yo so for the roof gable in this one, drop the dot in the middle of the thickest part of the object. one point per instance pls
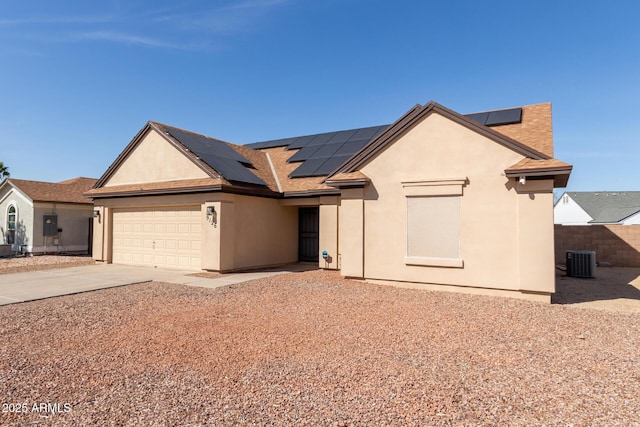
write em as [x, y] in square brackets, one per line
[321, 154]
[416, 115]
[162, 153]
[150, 157]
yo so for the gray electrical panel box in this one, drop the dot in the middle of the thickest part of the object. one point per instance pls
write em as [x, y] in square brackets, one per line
[50, 225]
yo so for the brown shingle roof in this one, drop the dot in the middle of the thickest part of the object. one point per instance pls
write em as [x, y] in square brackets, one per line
[535, 130]
[155, 187]
[69, 191]
[279, 157]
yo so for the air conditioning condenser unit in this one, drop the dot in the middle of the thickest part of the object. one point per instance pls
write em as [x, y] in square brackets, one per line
[581, 264]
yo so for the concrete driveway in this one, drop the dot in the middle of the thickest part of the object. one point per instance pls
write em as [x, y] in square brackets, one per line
[33, 285]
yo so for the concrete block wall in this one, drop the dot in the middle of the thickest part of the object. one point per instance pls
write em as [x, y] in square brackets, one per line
[616, 244]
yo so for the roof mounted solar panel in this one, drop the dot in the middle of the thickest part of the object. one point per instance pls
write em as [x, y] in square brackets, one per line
[331, 164]
[504, 117]
[301, 141]
[327, 150]
[343, 135]
[307, 168]
[351, 147]
[270, 144]
[369, 133]
[221, 157]
[478, 117]
[201, 145]
[497, 117]
[305, 153]
[231, 170]
[322, 138]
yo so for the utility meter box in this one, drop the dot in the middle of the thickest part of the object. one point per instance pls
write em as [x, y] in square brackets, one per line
[50, 225]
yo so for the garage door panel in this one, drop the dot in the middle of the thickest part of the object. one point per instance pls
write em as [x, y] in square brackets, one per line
[162, 237]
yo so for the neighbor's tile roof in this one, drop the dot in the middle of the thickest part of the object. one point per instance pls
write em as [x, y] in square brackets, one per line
[608, 206]
[69, 191]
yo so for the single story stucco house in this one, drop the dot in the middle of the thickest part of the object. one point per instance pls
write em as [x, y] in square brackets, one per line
[46, 217]
[436, 199]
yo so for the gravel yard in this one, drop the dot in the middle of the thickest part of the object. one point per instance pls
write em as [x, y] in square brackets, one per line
[42, 262]
[314, 349]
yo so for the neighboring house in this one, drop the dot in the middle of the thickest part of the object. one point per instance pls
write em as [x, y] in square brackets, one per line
[436, 198]
[598, 207]
[45, 217]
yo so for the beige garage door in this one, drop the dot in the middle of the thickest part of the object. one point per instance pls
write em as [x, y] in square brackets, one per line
[158, 237]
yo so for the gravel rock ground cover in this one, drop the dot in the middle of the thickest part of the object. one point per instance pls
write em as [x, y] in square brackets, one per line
[42, 262]
[314, 349]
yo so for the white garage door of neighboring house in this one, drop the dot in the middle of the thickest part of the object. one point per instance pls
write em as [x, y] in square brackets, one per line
[158, 237]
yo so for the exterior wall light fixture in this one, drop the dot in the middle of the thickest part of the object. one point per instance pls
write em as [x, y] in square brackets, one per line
[212, 215]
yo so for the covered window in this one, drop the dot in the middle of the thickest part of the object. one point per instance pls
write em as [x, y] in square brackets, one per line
[11, 225]
[433, 222]
[433, 227]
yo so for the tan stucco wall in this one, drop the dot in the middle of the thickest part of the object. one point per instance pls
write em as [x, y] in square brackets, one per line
[351, 234]
[266, 233]
[154, 160]
[73, 219]
[506, 238]
[329, 206]
[536, 236]
[249, 232]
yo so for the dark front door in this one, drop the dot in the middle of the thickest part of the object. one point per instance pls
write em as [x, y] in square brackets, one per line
[308, 231]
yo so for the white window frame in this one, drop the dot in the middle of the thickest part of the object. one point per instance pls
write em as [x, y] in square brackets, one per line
[15, 223]
[440, 187]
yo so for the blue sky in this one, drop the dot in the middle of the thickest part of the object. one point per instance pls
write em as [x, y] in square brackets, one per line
[78, 79]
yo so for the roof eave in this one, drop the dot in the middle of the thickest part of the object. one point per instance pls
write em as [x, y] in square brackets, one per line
[348, 183]
[560, 175]
[311, 193]
[234, 189]
[152, 192]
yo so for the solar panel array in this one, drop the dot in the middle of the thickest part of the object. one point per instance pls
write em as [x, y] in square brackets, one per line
[323, 153]
[222, 158]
